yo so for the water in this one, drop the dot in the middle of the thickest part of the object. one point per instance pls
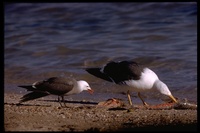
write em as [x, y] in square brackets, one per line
[61, 39]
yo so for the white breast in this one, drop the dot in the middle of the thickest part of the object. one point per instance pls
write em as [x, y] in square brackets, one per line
[145, 83]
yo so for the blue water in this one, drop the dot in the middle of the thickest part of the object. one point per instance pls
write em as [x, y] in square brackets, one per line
[60, 39]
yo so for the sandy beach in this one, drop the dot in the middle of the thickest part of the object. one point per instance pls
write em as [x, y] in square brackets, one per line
[45, 114]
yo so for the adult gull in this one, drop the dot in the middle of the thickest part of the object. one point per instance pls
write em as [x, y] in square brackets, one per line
[60, 86]
[130, 73]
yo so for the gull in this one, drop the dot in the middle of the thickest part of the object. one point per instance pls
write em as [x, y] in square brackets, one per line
[137, 77]
[60, 86]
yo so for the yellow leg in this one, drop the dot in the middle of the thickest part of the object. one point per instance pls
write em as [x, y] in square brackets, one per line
[142, 99]
[129, 98]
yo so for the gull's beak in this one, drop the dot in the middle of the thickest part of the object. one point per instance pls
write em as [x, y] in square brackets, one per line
[172, 97]
[90, 91]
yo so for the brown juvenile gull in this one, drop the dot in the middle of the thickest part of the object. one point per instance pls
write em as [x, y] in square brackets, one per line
[137, 77]
[60, 86]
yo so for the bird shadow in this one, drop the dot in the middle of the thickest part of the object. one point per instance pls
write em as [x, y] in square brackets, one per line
[22, 104]
[74, 102]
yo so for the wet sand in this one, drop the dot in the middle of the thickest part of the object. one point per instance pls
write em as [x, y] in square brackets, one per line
[45, 114]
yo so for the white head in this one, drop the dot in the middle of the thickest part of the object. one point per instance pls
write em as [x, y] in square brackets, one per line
[83, 85]
[163, 89]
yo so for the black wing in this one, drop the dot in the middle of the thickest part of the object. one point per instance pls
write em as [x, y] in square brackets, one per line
[32, 95]
[54, 85]
[97, 72]
[28, 87]
[118, 72]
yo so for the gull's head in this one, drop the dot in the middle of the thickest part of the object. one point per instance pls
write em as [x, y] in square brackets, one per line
[163, 89]
[84, 86]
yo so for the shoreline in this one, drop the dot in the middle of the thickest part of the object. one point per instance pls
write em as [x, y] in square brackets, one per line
[46, 115]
